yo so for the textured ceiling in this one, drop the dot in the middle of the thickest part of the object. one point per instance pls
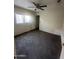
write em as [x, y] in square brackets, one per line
[27, 4]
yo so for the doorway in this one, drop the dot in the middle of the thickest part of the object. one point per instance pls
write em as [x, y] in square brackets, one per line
[37, 21]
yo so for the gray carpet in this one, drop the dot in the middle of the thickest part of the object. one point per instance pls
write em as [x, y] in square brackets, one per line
[38, 45]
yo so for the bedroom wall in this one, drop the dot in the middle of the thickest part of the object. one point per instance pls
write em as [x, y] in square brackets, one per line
[20, 28]
[52, 21]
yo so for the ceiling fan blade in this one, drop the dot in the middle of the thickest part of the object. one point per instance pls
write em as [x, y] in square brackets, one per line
[41, 9]
[31, 7]
[44, 6]
[59, 1]
[34, 3]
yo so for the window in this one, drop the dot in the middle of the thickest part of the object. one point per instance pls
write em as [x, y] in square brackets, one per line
[19, 18]
[27, 19]
[23, 19]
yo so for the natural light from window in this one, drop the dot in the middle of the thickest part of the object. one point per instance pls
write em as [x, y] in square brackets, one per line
[27, 19]
[19, 18]
[23, 19]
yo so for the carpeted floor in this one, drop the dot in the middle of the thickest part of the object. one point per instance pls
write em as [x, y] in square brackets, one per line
[38, 45]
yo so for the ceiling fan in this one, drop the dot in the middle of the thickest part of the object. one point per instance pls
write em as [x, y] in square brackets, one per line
[39, 6]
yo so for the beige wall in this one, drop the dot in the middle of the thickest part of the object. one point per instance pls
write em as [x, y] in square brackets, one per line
[52, 19]
[20, 28]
